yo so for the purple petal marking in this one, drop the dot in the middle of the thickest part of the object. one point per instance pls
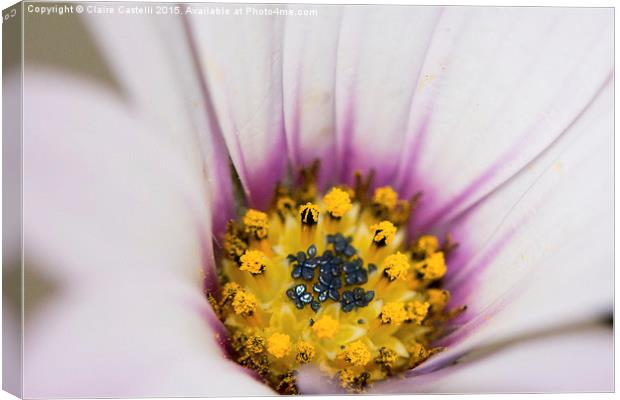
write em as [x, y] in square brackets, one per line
[462, 282]
[417, 133]
[502, 162]
[538, 156]
[263, 179]
[344, 141]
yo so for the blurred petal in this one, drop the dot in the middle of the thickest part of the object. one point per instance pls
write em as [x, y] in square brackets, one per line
[132, 340]
[571, 361]
[117, 219]
[539, 251]
[500, 85]
[381, 51]
[162, 81]
[241, 57]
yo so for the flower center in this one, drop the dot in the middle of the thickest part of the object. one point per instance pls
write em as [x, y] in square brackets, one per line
[332, 282]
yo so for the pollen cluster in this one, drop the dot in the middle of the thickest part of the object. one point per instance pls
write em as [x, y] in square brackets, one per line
[331, 281]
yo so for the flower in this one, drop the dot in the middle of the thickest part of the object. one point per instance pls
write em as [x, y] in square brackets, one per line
[500, 116]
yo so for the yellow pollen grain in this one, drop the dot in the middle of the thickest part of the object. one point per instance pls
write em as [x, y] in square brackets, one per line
[384, 232]
[393, 313]
[325, 327]
[253, 261]
[305, 352]
[337, 202]
[234, 245]
[244, 303]
[428, 244]
[417, 354]
[438, 298]
[433, 267]
[279, 345]
[256, 223]
[417, 311]
[255, 344]
[396, 266]
[229, 291]
[357, 354]
[347, 377]
[386, 357]
[385, 196]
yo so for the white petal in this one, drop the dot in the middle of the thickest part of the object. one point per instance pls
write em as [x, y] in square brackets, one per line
[153, 58]
[309, 73]
[501, 85]
[116, 219]
[381, 51]
[241, 56]
[539, 251]
[579, 360]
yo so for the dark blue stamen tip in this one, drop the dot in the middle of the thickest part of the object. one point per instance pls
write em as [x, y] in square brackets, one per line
[312, 251]
[355, 274]
[356, 298]
[342, 245]
[336, 267]
[300, 296]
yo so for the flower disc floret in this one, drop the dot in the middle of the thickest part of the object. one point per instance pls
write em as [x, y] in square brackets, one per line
[253, 261]
[384, 233]
[279, 345]
[337, 202]
[396, 266]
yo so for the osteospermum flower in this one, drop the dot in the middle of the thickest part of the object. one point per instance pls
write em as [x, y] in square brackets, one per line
[194, 247]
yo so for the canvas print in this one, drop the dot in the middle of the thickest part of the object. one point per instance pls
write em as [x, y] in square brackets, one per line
[221, 199]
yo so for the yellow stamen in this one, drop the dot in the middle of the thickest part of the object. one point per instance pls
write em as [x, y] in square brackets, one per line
[285, 205]
[357, 354]
[229, 291]
[433, 267]
[400, 214]
[326, 327]
[234, 244]
[309, 214]
[384, 233]
[279, 345]
[427, 244]
[393, 313]
[438, 299]
[337, 202]
[396, 266]
[417, 354]
[256, 223]
[244, 303]
[255, 344]
[305, 352]
[253, 261]
[386, 358]
[416, 311]
[347, 377]
[386, 197]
